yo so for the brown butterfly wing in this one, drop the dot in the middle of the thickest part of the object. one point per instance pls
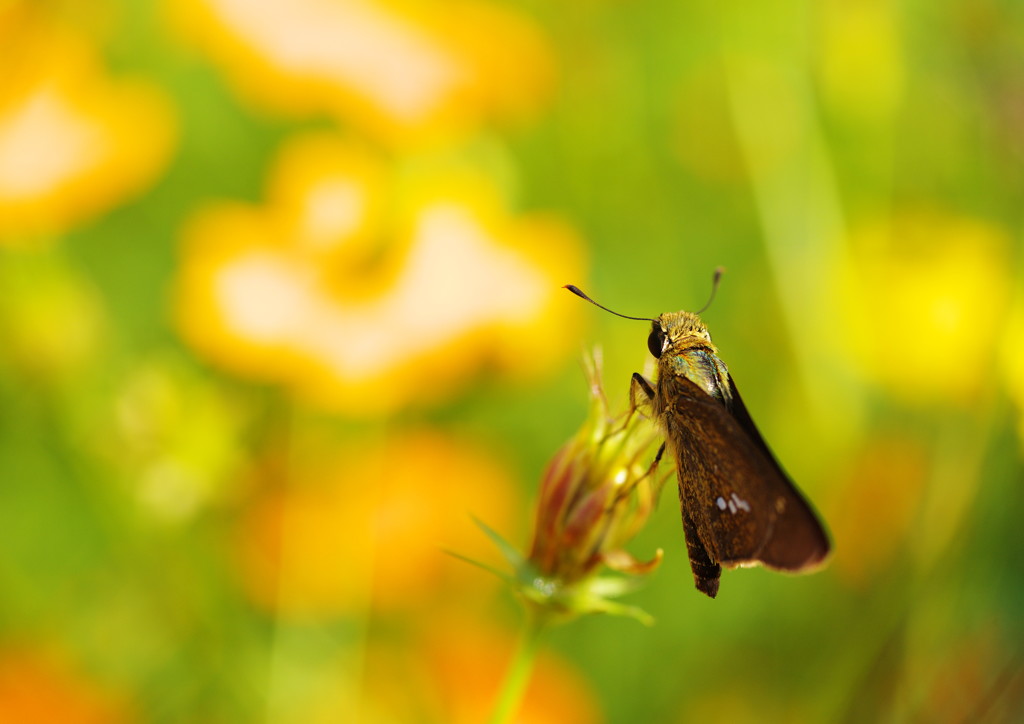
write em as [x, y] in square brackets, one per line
[743, 506]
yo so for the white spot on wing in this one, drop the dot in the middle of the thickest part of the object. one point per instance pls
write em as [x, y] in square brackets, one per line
[733, 504]
[740, 502]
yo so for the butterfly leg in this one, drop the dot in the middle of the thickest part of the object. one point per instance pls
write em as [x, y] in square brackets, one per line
[657, 459]
[641, 383]
[647, 391]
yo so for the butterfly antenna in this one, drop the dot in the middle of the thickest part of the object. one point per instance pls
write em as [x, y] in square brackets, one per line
[714, 287]
[579, 293]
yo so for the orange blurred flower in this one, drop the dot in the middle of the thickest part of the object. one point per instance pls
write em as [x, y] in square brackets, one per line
[404, 71]
[448, 673]
[973, 677]
[468, 663]
[876, 503]
[366, 289]
[38, 688]
[924, 295]
[73, 141]
[369, 527]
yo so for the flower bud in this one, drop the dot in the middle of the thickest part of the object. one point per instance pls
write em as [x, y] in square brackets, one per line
[596, 494]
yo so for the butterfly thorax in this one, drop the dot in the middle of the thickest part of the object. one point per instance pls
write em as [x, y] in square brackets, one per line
[689, 352]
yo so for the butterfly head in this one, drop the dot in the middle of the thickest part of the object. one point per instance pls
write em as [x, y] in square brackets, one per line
[677, 331]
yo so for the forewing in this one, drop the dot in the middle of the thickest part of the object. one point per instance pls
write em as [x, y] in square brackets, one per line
[744, 506]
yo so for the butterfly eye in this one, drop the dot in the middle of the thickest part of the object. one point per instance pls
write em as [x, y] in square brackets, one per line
[656, 341]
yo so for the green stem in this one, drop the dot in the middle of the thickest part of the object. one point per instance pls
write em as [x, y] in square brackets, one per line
[517, 676]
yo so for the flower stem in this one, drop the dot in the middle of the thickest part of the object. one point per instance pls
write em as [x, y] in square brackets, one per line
[517, 676]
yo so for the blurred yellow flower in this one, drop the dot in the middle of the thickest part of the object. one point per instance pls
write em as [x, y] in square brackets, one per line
[369, 525]
[73, 141]
[40, 688]
[365, 290]
[403, 71]
[924, 295]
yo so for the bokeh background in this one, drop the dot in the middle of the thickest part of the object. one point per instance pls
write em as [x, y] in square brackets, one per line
[280, 313]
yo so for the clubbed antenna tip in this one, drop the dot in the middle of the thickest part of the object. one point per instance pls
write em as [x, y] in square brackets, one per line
[579, 293]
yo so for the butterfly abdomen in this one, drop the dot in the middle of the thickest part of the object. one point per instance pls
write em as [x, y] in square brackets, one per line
[706, 572]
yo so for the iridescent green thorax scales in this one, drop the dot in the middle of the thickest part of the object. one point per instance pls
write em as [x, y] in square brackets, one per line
[690, 353]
